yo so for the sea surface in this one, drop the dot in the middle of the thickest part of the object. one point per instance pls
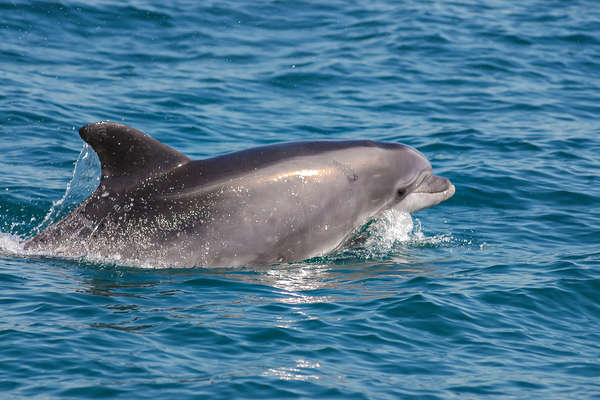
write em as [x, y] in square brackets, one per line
[493, 294]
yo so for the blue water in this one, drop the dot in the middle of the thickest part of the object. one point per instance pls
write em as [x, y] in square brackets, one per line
[492, 294]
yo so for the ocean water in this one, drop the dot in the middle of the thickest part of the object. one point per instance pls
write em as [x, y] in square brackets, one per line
[492, 294]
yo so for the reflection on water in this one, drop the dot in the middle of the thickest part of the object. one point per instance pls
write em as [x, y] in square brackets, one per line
[303, 370]
[344, 272]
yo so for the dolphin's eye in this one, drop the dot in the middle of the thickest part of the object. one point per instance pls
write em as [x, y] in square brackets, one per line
[400, 193]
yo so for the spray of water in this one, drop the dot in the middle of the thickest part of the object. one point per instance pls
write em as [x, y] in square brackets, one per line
[390, 235]
[84, 180]
[390, 228]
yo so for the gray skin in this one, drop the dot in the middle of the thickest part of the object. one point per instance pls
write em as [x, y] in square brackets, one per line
[272, 204]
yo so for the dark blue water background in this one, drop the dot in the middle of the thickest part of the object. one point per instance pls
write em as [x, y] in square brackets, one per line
[494, 293]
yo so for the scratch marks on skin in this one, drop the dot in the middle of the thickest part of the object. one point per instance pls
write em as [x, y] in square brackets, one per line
[349, 172]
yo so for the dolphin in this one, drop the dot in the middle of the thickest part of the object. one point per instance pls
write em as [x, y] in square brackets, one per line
[267, 205]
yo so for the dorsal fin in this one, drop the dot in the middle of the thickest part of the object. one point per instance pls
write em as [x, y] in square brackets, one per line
[127, 152]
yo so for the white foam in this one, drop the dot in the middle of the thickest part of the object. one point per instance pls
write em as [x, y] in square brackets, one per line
[391, 227]
[392, 231]
[11, 244]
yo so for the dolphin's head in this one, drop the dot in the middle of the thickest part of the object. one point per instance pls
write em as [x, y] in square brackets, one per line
[414, 185]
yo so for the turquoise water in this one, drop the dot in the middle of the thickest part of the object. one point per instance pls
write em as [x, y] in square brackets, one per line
[494, 293]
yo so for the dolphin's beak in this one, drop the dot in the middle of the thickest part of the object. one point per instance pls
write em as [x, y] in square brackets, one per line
[436, 185]
[430, 192]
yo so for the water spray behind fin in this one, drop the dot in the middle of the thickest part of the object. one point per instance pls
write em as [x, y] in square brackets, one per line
[84, 179]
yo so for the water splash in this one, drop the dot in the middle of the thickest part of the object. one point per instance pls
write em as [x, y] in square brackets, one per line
[11, 245]
[83, 181]
[390, 228]
[391, 234]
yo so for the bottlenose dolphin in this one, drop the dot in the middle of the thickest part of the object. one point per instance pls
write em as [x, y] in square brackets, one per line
[272, 204]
